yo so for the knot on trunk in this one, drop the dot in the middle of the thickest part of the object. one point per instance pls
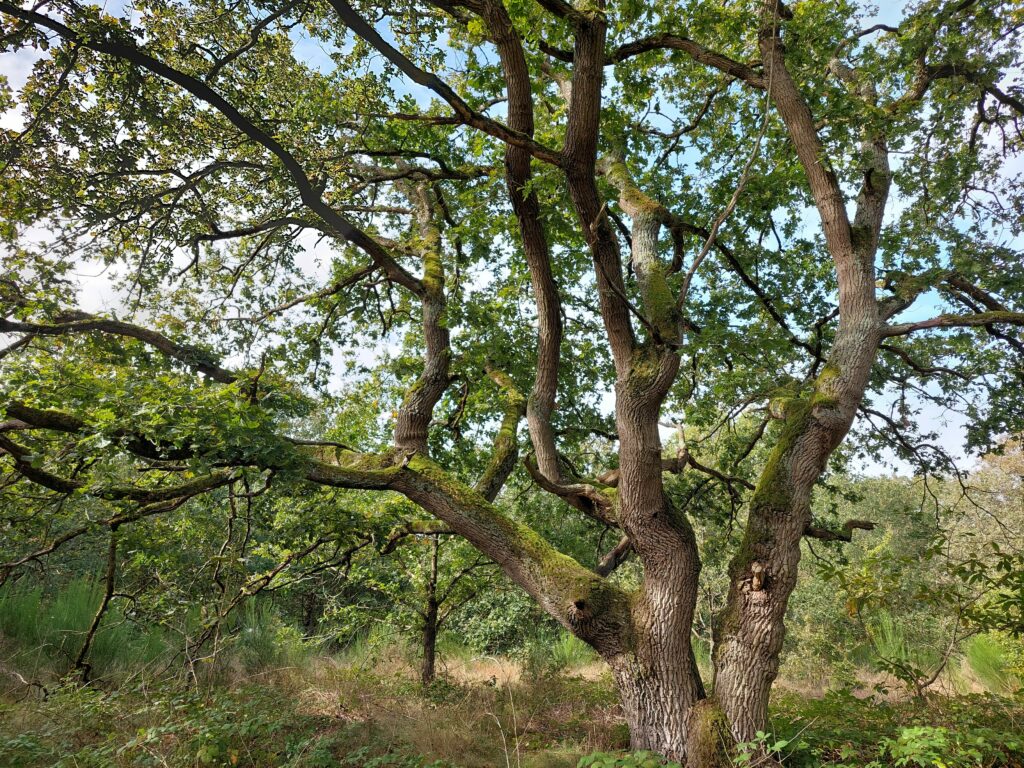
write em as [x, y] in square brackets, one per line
[580, 612]
[757, 583]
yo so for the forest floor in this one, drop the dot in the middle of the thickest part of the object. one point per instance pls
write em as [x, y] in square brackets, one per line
[371, 712]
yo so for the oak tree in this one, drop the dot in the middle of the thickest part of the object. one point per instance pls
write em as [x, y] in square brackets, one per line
[355, 245]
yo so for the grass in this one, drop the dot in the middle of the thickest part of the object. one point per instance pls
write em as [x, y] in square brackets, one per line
[336, 711]
[46, 632]
[327, 713]
[274, 699]
[991, 664]
[262, 641]
[568, 652]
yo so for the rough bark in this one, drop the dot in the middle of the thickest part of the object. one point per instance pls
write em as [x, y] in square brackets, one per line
[749, 634]
[417, 408]
[541, 403]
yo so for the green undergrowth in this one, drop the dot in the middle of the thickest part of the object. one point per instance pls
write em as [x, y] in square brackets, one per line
[337, 716]
[44, 633]
[253, 725]
[844, 731]
[322, 715]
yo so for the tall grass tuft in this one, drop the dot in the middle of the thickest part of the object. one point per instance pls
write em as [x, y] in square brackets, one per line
[991, 664]
[263, 641]
[892, 646]
[547, 655]
[46, 632]
[568, 652]
[702, 655]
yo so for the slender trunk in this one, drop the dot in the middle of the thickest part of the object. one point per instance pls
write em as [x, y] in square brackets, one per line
[526, 205]
[427, 670]
[430, 618]
[311, 612]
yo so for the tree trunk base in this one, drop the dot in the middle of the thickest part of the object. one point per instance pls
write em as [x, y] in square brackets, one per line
[709, 743]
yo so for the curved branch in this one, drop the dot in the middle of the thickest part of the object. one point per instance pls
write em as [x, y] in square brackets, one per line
[526, 205]
[588, 499]
[696, 51]
[615, 557]
[506, 447]
[310, 191]
[23, 463]
[82, 322]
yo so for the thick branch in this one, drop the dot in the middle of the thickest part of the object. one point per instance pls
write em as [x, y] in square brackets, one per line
[615, 557]
[696, 51]
[416, 411]
[799, 122]
[844, 534]
[80, 322]
[581, 138]
[956, 321]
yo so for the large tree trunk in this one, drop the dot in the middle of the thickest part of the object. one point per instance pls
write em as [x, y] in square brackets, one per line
[656, 702]
[750, 631]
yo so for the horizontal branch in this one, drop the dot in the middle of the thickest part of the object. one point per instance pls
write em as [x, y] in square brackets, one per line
[843, 534]
[923, 370]
[664, 41]
[696, 51]
[956, 321]
[414, 528]
[676, 464]
[585, 497]
[81, 322]
[578, 597]
[25, 465]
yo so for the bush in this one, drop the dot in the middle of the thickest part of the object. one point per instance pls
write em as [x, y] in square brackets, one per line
[633, 760]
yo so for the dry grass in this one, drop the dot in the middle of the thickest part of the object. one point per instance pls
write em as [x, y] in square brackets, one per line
[481, 711]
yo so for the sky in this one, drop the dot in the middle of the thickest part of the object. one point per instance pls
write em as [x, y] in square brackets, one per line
[98, 295]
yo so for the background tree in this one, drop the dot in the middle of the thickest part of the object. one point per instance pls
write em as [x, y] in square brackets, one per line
[435, 577]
